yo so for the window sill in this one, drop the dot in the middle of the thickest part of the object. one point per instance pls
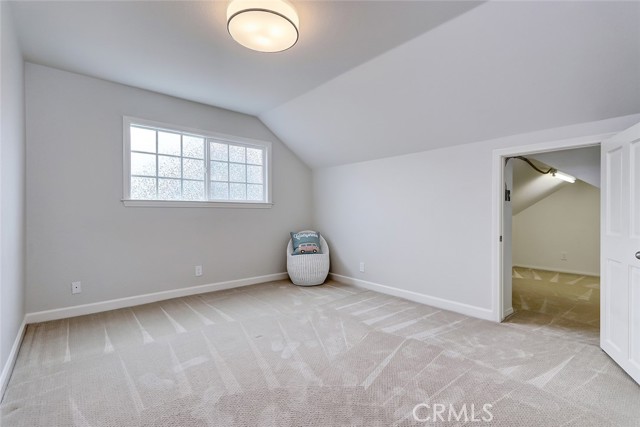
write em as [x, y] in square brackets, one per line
[194, 204]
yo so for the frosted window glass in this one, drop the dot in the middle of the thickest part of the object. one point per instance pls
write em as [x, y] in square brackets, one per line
[254, 174]
[193, 190]
[143, 139]
[255, 192]
[237, 173]
[169, 167]
[169, 189]
[219, 151]
[220, 171]
[236, 154]
[219, 190]
[193, 146]
[143, 164]
[193, 169]
[254, 156]
[168, 164]
[238, 191]
[169, 143]
[143, 188]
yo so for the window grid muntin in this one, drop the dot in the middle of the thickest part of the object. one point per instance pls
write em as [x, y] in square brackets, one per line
[245, 164]
[207, 159]
[157, 155]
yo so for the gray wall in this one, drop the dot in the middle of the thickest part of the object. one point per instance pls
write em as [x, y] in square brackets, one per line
[566, 221]
[12, 187]
[78, 229]
[422, 222]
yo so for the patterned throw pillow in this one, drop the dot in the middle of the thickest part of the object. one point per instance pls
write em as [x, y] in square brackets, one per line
[306, 242]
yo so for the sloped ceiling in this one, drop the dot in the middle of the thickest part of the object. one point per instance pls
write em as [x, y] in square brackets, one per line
[583, 163]
[182, 48]
[529, 186]
[502, 68]
[368, 79]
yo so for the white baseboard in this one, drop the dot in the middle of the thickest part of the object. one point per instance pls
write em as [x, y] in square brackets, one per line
[508, 312]
[445, 304]
[11, 360]
[558, 270]
[97, 307]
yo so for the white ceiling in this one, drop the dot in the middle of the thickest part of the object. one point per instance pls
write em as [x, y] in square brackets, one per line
[503, 68]
[182, 48]
[583, 163]
[368, 79]
[529, 186]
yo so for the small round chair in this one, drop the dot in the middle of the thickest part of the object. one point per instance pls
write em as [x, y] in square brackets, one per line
[308, 269]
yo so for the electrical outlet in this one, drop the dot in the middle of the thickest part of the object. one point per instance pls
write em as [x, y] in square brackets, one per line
[198, 270]
[76, 287]
[563, 256]
[361, 267]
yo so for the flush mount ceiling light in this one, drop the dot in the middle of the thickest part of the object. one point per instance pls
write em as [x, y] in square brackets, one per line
[263, 25]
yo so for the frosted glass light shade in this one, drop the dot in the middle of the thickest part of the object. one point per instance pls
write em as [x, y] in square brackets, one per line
[564, 176]
[263, 25]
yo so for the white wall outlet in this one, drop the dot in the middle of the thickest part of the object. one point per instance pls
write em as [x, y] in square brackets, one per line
[361, 267]
[563, 256]
[198, 270]
[76, 287]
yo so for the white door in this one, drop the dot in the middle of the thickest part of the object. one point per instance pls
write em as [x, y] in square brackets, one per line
[620, 246]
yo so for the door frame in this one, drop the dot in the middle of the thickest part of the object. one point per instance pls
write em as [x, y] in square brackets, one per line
[498, 163]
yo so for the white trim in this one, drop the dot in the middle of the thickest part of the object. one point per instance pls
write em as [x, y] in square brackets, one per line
[97, 307]
[558, 270]
[11, 360]
[170, 127]
[127, 121]
[498, 156]
[445, 304]
[194, 204]
[508, 312]
[497, 291]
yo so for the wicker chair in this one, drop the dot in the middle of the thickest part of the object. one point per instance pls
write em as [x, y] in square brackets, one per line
[308, 269]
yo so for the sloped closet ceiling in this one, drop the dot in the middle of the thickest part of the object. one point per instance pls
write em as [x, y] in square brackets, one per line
[502, 68]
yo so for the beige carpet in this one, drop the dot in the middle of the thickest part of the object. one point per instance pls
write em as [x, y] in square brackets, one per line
[558, 304]
[280, 355]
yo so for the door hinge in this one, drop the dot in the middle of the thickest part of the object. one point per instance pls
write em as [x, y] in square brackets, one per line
[501, 238]
[507, 195]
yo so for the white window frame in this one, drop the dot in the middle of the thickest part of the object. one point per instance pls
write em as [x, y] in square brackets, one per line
[208, 136]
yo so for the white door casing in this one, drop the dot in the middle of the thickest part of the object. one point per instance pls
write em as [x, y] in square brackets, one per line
[620, 242]
[501, 291]
[507, 258]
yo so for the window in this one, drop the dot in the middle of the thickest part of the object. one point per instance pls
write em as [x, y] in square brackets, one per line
[168, 166]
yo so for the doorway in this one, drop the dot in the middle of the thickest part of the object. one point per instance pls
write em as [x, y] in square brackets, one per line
[555, 243]
[502, 262]
[619, 239]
